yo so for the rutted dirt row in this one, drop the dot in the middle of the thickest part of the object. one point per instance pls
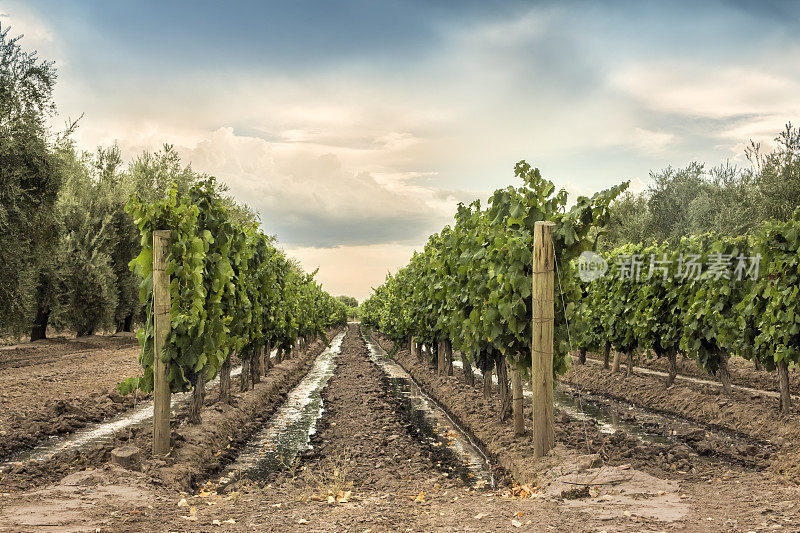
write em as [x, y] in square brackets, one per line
[720, 493]
[197, 450]
[55, 386]
[753, 416]
[383, 479]
[367, 458]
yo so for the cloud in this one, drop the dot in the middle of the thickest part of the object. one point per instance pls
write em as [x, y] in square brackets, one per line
[732, 103]
[654, 142]
[37, 34]
[701, 90]
[316, 200]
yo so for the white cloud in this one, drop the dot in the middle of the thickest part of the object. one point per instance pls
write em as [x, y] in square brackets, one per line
[652, 142]
[314, 198]
[37, 34]
[703, 90]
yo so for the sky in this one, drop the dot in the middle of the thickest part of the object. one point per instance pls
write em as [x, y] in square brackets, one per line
[354, 128]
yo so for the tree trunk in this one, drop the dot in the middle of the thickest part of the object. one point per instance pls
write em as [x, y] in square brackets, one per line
[487, 383]
[606, 353]
[672, 356]
[198, 397]
[128, 324]
[516, 398]
[615, 365]
[258, 366]
[502, 379]
[757, 363]
[783, 382]
[582, 356]
[244, 383]
[225, 381]
[629, 370]
[39, 329]
[469, 377]
[723, 372]
[279, 356]
[448, 356]
[267, 357]
[441, 360]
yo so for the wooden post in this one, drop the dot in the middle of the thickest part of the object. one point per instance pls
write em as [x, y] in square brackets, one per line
[542, 346]
[161, 326]
[516, 398]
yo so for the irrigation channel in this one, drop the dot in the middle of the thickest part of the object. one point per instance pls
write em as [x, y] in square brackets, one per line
[101, 432]
[700, 381]
[288, 432]
[611, 416]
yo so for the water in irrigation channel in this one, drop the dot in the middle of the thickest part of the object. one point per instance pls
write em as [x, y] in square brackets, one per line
[103, 431]
[288, 431]
[611, 416]
[434, 425]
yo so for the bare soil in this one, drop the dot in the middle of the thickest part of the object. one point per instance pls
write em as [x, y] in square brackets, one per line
[749, 415]
[54, 386]
[382, 478]
[743, 372]
[197, 451]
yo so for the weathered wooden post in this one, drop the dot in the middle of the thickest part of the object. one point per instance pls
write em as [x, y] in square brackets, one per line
[161, 326]
[542, 345]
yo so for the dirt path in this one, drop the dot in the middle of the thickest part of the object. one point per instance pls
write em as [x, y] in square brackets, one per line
[368, 471]
[743, 372]
[707, 381]
[58, 385]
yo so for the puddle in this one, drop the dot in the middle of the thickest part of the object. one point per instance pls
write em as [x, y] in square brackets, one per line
[608, 418]
[451, 444]
[99, 433]
[288, 431]
[611, 416]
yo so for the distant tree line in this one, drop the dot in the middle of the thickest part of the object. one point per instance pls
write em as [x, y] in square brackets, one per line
[65, 237]
[352, 306]
[724, 199]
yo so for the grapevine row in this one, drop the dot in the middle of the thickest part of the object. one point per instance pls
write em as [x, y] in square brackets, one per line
[231, 291]
[470, 288]
[748, 309]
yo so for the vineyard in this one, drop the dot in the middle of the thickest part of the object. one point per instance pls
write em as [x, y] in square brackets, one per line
[622, 360]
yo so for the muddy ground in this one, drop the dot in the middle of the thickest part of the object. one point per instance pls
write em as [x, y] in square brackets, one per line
[380, 477]
[743, 372]
[55, 386]
[752, 416]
